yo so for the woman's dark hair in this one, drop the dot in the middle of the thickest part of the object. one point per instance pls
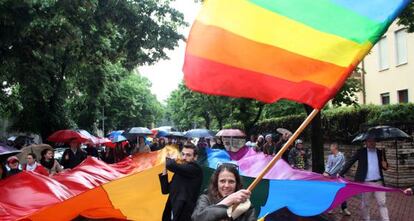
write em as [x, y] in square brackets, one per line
[44, 152]
[213, 193]
[161, 140]
[139, 140]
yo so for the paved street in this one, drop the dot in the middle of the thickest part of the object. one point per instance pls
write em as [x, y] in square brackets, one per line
[401, 208]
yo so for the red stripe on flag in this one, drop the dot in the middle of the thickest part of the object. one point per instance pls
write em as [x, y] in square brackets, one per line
[218, 79]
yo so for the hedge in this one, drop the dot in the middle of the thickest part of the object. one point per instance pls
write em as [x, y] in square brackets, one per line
[343, 123]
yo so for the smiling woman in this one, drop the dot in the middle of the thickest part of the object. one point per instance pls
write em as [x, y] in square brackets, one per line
[225, 199]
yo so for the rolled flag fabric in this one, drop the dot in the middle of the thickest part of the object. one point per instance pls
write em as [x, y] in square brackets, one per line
[294, 49]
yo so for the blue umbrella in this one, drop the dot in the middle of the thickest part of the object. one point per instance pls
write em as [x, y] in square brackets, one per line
[162, 133]
[118, 138]
[114, 133]
[199, 133]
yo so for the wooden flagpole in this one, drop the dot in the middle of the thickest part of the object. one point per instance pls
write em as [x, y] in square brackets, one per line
[284, 148]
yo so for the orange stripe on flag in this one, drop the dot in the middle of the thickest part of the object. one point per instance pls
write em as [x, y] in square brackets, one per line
[220, 79]
[95, 199]
[237, 51]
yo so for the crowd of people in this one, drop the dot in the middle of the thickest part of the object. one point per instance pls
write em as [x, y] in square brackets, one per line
[46, 163]
[298, 156]
[225, 198]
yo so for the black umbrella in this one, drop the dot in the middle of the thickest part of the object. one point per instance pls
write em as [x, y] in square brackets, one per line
[7, 151]
[382, 133]
[175, 134]
[134, 132]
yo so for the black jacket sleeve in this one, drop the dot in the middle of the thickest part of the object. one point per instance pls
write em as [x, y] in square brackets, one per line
[64, 162]
[165, 186]
[350, 162]
[186, 169]
[250, 215]
[205, 211]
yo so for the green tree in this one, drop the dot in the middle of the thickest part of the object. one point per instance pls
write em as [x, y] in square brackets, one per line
[247, 112]
[178, 111]
[129, 103]
[282, 108]
[406, 18]
[54, 51]
[187, 108]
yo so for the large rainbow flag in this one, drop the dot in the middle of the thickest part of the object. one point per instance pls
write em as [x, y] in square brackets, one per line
[131, 190]
[299, 50]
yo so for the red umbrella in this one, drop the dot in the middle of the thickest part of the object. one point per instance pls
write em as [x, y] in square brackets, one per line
[92, 139]
[113, 145]
[62, 136]
[102, 140]
[230, 133]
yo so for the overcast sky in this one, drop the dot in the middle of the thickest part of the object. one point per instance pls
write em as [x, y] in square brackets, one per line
[167, 74]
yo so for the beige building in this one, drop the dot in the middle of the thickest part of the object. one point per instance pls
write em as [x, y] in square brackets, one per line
[389, 68]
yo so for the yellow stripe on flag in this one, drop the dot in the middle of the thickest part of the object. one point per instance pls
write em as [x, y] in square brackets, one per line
[263, 26]
[138, 196]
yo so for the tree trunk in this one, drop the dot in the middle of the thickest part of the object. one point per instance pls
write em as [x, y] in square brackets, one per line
[318, 165]
[220, 123]
[250, 125]
[207, 120]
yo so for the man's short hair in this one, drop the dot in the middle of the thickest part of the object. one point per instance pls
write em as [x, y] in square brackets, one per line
[335, 144]
[33, 155]
[190, 145]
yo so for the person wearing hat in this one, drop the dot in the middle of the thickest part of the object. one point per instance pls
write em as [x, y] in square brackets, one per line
[299, 156]
[13, 164]
[371, 163]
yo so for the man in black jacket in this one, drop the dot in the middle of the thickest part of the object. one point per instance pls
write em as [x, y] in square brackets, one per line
[73, 156]
[371, 162]
[184, 187]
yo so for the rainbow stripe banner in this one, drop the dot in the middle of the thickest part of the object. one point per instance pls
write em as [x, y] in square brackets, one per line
[97, 190]
[92, 189]
[267, 50]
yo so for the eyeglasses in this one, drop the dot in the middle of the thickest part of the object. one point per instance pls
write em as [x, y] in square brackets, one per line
[227, 164]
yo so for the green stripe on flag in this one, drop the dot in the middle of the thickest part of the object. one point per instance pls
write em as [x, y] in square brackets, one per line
[325, 16]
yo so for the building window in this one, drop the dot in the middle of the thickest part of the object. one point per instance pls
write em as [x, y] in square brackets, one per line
[401, 46]
[403, 96]
[385, 98]
[383, 53]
